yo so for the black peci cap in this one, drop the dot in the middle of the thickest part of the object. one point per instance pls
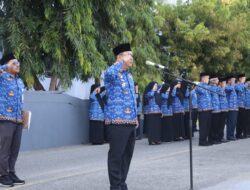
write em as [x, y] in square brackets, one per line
[204, 74]
[121, 48]
[6, 58]
[241, 75]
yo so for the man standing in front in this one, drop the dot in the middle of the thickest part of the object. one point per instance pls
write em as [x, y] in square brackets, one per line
[120, 116]
[11, 92]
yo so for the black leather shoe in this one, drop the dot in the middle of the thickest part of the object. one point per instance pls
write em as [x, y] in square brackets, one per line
[16, 179]
[5, 181]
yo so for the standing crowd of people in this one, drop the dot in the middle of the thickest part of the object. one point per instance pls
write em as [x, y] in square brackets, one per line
[217, 102]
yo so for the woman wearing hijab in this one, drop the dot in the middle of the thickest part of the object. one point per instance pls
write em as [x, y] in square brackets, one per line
[152, 113]
[96, 115]
[176, 100]
[167, 115]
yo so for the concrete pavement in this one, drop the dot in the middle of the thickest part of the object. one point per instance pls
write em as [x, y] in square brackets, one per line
[163, 167]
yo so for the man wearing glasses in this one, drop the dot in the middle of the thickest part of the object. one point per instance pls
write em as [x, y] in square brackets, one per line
[11, 104]
[120, 116]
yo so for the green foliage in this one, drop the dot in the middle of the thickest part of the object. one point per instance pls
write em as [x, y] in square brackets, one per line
[68, 39]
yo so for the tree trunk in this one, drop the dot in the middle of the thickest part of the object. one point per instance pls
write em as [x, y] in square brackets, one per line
[53, 83]
[37, 84]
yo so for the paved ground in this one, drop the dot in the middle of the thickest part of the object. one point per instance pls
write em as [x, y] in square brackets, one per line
[164, 167]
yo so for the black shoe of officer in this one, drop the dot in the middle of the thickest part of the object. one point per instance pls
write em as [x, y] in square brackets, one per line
[6, 181]
[16, 179]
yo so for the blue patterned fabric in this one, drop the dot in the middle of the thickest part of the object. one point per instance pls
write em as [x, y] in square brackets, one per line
[223, 100]
[203, 97]
[194, 99]
[121, 105]
[215, 98]
[95, 110]
[152, 106]
[247, 98]
[176, 104]
[186, 101]
[139, 106]
[231, 98]
[11, 97]
[240, 90]
[165, 109]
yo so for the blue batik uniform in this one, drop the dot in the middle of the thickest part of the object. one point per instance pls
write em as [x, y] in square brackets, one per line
[203, 98]
[176, 104]
[231, 98]
[223, 100]
[95, 110]
[215, 98]
[11, 97]
[194, 99]
[240, 90]
[121, 107]
[166, 110]
[186, 101]
[247, 98]
[152, 106]
[139, 105]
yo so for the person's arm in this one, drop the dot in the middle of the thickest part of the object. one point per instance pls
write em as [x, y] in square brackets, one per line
[93, 95]
[151, 94]
[199, 90]
[240, 88]
[229, 88]
[173, 94]
[113, 71]
[164, 96]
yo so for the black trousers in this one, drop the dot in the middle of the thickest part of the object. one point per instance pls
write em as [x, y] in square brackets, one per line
[121, 148]
[248, 121]
[231, 123]
[222, 123]
[205, 125]
[10, 141]
[215, 127]
[241, 128]
[139, 130]
[194, 119]
[178, 123]
[167, 129]
[96, 132]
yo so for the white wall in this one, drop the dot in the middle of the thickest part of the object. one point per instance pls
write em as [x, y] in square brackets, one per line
[78, 89]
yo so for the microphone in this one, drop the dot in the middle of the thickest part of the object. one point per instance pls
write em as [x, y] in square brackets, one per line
[158, 66]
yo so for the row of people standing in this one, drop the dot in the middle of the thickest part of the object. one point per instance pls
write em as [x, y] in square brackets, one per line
[166, 112]
[225, 103]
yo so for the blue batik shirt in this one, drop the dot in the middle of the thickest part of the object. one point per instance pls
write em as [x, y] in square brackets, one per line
[223, 100]
[152, 106]
[121, 107]
[203, 97]
[165, 109]
[95, 109]
[176, 104]
[231, 98]
[11, 97]
[247, 98]
[215, 98]
[240, 90]
[194, 99]
[186, 101]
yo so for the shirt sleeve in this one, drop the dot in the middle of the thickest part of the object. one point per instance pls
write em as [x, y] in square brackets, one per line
[112, 72]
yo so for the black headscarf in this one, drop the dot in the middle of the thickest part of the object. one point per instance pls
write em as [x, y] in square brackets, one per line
[148, 88]
[98, 95]
[179, 93]
[164, 88]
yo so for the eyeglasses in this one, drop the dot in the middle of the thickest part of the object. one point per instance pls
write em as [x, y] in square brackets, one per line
[17, 63]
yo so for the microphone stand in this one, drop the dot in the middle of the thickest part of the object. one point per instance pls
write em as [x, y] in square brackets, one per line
[189, 84]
